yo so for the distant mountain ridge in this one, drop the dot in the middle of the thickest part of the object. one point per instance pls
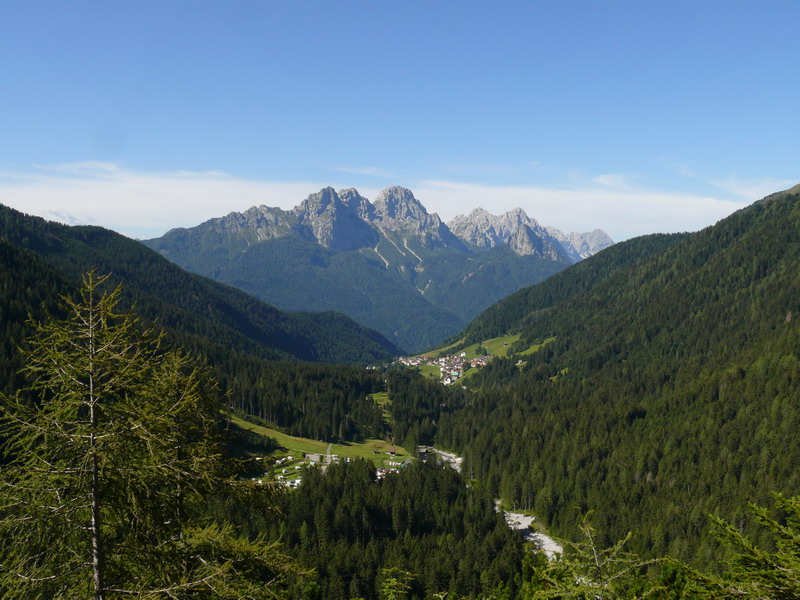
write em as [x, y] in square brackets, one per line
[348, 221]
[388, 264]
[195, 311]
[524, 235]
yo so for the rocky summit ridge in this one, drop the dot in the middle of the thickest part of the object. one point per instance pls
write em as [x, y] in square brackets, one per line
[525, 236]
[346, 220]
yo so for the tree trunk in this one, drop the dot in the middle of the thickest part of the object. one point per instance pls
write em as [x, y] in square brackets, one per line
[97, 548]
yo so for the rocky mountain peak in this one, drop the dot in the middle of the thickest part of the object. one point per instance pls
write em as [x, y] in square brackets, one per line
[485, 230]
[257, 223]
[325, 200]
[397, 211]
[346, 220]
[582, 245]
[399, 203]
[357, 203]
[517, 217]
[515, 229]
[325, 218]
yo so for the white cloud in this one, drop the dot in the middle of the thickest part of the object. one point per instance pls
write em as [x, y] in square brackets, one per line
[752, 189]
[622, 213]
[139, 204]
[143, 205]
[616, 181]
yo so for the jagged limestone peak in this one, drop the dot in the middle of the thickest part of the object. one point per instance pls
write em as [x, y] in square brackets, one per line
[333, 223]
[515, 229]
[399, 203]
[358, 203]
[582, 245]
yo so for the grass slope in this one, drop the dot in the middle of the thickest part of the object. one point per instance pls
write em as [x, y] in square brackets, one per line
[296, 446]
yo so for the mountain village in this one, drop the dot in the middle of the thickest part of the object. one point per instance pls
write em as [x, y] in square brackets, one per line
[451, 366]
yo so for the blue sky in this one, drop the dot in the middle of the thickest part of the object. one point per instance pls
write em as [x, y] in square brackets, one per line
[633, 117]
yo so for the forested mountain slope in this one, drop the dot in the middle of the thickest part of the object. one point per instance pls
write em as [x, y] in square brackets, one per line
[257, 352]
[530, 302]
[192, 305]
[672, 389]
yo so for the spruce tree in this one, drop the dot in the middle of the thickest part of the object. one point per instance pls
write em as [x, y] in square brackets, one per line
[111, 454]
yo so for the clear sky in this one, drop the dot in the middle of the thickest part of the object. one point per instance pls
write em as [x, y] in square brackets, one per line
[630, 116]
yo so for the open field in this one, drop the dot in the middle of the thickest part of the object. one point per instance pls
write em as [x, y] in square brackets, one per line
[431, 371]
[382, 400]
[440, 351]
[537, 347]
[496, 346]
[296, 447]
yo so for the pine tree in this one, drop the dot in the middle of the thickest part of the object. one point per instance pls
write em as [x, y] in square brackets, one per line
[112, 453]
[757, 570]
[588, 572]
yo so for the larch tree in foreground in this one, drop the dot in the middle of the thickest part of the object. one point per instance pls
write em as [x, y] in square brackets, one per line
[110, 456]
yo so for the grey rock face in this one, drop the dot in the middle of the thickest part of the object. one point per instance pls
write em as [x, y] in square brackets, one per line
[582, 245]
[397, 207]
[346, 220]
[263, 222]
[524, 235]
[332, 223]
[399, 212]
[360, 205]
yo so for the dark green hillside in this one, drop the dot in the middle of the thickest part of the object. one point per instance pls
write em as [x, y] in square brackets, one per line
[467, 283]
[199, 309]
[530, 302]
[28, 287]
[302, 275]
[418, 307]
[241, 338]
[423, 521]
[672, 389]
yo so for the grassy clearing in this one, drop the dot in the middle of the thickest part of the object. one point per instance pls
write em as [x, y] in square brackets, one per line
[373, 450]
[431, 371]
[440, 351]
[498, 346]
[382, 400]
[537, 347]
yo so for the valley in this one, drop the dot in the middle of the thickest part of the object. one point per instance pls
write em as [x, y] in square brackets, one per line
[399, 300]
[388, 264]
[295, 455]
[649, 385]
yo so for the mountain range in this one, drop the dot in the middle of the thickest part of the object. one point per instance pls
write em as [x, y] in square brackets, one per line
[388, 264]
[652, 384]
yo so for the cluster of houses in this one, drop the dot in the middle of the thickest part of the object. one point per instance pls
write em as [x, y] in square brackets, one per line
[451, 366]
[394, 466]
[287, 469]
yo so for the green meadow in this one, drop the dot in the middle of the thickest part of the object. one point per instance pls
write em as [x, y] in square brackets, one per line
[373, 450]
